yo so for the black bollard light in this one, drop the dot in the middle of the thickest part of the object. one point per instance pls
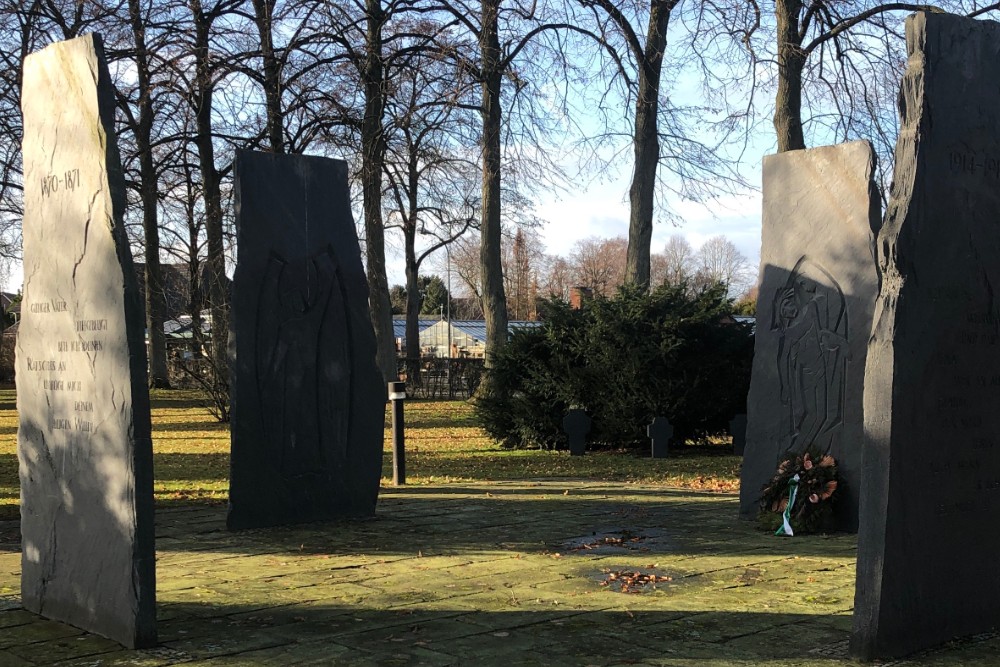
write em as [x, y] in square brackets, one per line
[397, 394]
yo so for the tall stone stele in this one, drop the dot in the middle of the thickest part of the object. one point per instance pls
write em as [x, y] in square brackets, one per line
[818, 286]
[84, 448]
[930, 504]
[308, 403]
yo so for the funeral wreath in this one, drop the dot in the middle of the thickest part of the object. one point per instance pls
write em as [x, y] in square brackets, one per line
[800, 496]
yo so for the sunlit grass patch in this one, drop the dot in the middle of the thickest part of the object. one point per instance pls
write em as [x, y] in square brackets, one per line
[443, 444]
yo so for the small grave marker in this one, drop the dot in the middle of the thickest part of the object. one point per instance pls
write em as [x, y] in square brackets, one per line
[576, 424]
[660, 431]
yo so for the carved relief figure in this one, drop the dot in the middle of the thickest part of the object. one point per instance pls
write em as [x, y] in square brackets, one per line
[810, 315]
[303, 366]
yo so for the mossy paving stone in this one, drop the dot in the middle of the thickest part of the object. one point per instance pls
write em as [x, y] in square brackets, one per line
[721, 626]
[277, 584]
[535, 644]
[347, 622]
[984, 653]
[438, 631]
[498, 599]
[328, 616]
[9, 619]
[298, 653]
[601, 643]
[502, 564]
[786, 641]
[155, 657]
[37, 631]
[713, 659]
[431, 632]
[8, 659]
[225, 640]
[515, 617]
[66, 648]
[397, 657]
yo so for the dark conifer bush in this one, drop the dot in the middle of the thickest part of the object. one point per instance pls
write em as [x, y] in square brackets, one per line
[673, 352]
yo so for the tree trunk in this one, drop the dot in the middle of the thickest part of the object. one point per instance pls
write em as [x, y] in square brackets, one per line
[155, 307]
[791, 61]
[413, 300]
[373, 157]
[217, 293]
[646, 146]
[412, 303]
[494, 299]
[263, 14]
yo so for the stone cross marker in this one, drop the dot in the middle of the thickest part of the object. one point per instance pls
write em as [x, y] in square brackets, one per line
[84, 447]
[738, 429]
[660, 431]
[817, 295]
[576, 424]
[930, 505]
[308, 401]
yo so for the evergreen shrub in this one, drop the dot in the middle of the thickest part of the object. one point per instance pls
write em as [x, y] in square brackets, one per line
[674, 352]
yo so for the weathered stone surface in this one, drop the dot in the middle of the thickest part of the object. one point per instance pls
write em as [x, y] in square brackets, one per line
[930, 503]
[308, 401]
[84, 447]
[817, 295]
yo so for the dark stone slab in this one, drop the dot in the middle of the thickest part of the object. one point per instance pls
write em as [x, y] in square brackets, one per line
[308, 401]
[738, 429]
[659, 432]
[817, 296]
[930, 506]
[86, 459]
[576, 425]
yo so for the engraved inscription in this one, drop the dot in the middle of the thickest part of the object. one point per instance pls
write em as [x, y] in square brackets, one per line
[964, 160]
[91, 325]
[90, 342]
[67, 181]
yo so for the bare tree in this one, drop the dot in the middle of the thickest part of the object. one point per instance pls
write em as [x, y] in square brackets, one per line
[719, 260]
[144, 19]
[850, 46]
[431, 182]
[670, 154]
[679, 259]
[510, 46]
[600, 264]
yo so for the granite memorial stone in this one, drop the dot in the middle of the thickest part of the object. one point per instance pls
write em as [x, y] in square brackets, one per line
[818, 286]
[576, 425]
[84, 448]
[308, 401]
[930, 505]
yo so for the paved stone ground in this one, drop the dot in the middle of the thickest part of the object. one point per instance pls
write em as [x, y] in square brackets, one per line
[485, 574]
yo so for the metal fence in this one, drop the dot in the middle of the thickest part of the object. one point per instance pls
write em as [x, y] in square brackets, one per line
[439, 377]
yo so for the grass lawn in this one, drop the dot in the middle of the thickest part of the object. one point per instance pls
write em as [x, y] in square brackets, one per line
[444, 444]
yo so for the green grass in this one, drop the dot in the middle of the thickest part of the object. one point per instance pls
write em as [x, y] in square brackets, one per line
[443, 444]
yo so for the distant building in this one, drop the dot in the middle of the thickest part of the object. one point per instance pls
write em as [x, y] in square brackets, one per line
[468, 337]
[399, 329]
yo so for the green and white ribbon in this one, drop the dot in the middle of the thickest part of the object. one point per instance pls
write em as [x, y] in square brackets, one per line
[786, 524]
